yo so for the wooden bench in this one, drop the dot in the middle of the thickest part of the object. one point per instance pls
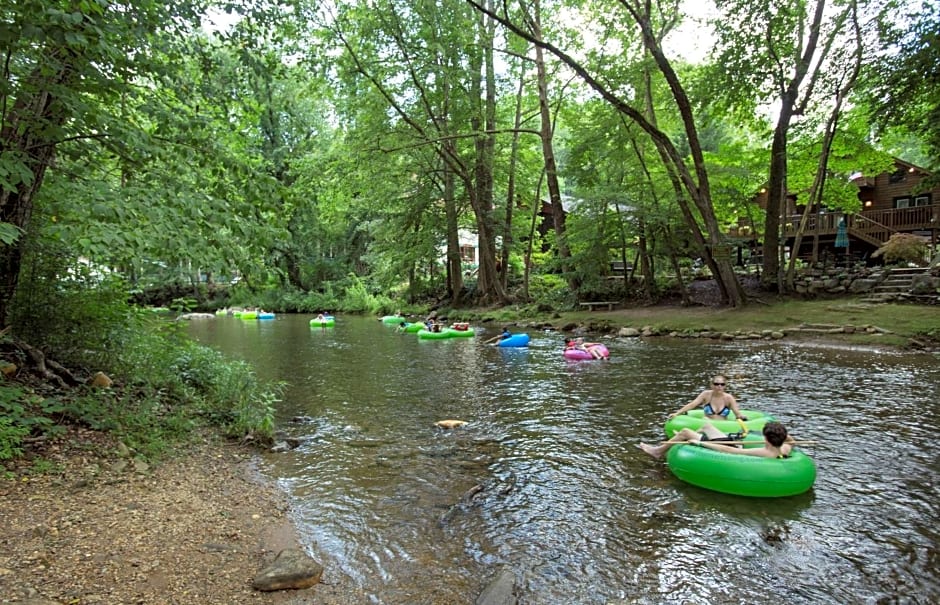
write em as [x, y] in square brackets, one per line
[593, 305]
[619, 268]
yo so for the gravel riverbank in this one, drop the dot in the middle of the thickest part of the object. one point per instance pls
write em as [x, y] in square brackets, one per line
[109, 531]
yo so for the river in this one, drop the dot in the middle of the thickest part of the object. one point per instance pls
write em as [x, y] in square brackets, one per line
[546, 479]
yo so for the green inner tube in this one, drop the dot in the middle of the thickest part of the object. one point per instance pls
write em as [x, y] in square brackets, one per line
[426, 335]
[322, 323]
[460, 333]
[742, 475]
[392, 319]
[414, 328]
[696, 418]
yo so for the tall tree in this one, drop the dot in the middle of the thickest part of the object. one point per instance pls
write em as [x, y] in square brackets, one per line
[640, 16]
[778, 52]
[66, 65]
[430, 61]
[547, 133]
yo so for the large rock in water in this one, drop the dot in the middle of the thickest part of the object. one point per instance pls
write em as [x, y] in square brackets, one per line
[500, 590]
[291, 569]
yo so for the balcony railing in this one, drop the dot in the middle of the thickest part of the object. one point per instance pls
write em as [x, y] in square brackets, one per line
[869, 224]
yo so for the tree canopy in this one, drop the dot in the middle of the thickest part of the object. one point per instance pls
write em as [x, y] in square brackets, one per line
[314, 148]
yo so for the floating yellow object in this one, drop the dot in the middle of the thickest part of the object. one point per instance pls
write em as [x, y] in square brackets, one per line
[450, 424]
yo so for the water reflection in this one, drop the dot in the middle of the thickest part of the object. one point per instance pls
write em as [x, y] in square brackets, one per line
[546, 478]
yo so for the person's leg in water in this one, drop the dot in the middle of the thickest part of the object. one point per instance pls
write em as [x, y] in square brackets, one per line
[683, 436]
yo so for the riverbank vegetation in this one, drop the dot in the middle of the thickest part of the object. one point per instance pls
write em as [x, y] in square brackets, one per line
[82, 356]
[200, 155]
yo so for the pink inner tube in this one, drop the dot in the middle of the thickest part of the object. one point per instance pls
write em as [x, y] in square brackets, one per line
[581, 354]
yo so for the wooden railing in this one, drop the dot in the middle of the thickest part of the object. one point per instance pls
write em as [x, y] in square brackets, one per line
[875, 226]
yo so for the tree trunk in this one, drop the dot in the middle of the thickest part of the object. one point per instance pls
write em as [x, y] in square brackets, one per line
[829, 135]
[511, 184]
[454, 264]
[551, 168]
[776, 199]
[25, 135]
[483, 123]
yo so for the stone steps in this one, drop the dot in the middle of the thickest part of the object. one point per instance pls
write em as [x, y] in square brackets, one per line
[898, 281]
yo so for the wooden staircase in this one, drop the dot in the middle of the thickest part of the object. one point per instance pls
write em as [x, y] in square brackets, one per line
[875, 237]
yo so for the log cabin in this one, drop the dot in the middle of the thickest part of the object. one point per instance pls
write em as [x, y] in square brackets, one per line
[899, 201]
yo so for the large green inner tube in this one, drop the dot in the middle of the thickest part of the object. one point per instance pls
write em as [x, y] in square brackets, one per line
[742, 475]
[696, 418]
[322, 323]
[426, 335]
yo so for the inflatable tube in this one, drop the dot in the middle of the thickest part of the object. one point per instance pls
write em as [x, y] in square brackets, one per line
[413, 328]
[455, 333]
[425, 334]
[392, 319]
[694, 419]
[266, 315]
[516, 340]
[248, 315]
[582, 354]
[742, 475]
[326, 322]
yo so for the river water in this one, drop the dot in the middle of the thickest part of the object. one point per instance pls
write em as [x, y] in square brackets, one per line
[546, 479]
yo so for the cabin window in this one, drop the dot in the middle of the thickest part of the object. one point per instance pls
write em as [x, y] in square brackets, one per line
[922, 200]
[902, 202]
[467, 254]
[897, 176]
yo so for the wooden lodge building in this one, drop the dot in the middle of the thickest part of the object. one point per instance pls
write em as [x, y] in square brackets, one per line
[892, 202]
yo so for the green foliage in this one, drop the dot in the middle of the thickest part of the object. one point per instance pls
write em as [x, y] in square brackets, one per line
[357, 297]
[168, 385]
[903, 248]
[227, 393]
[13, 422]
[23, 414]
[9, 233]
[550, 289]
[183, 305]
[906, 91]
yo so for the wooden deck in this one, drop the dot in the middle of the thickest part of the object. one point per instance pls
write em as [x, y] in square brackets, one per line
[872, 226]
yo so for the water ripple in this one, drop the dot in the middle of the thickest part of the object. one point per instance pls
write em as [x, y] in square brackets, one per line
[546, 477]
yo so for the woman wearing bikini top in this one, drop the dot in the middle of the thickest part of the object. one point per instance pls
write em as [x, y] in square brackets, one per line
[715, 402]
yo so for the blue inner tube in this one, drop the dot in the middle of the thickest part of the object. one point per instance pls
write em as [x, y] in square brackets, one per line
[743, 475]
[516, 340]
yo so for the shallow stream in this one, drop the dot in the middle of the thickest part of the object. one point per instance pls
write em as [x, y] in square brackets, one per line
[546, 478]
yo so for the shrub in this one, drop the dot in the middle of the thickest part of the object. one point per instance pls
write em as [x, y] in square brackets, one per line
[903, 247]
[165, 384]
